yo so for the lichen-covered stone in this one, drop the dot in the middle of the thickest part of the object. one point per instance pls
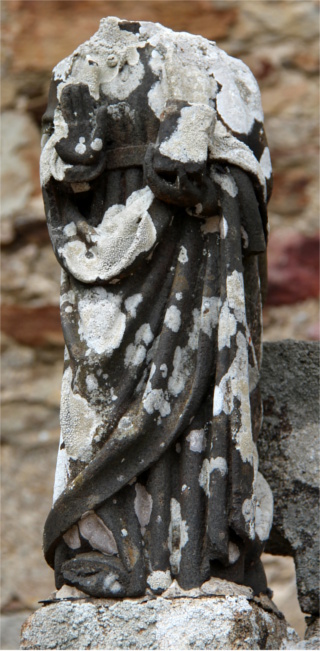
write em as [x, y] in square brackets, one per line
[156, 174]
[311, 638]
[234, 621]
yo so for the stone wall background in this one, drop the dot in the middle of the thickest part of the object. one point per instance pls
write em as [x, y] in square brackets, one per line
[279, 41]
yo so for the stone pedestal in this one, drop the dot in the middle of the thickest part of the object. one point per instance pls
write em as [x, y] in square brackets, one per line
[220, 615]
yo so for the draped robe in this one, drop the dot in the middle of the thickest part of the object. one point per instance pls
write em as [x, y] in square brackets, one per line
[157, 474]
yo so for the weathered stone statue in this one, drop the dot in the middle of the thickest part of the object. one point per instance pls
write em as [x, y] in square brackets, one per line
[156, 176]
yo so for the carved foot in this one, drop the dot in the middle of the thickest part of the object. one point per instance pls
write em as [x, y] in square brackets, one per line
[101, 576]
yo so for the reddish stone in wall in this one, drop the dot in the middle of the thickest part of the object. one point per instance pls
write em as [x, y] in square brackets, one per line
[290, 191]
[38, 34]
[32, 326]
[293, 267]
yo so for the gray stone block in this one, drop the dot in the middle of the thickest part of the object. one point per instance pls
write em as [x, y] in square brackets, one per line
[234, 621]
[289, 458]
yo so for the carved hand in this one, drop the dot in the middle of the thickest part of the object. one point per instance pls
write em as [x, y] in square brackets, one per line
[84, 145]
[182, 184]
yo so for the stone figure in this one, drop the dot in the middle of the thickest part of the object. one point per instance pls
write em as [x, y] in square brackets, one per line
[156, 176]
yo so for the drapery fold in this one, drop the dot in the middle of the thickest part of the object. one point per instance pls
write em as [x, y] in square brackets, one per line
[192, 386]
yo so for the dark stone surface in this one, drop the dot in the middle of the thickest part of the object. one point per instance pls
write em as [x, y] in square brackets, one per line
[288, 451]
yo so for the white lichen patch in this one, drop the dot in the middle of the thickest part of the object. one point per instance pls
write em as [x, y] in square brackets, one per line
[194, 334]
[125, 423]
[101, 322]
[181, 371]
[238, 82]
[112, 584]
[208, 467]
[183, 255]
[96, 144]
[235, 384]
[205, 320]
[227, 326]
[209, 314]
[143, 506]
[131, 304]
[124, 233]
[110, 60]
[226, 182]
[156, 400]
[172, 318]
[211, 225]
[110, 580]
[125, 427]
[81, 148]
[62, 471]
[248, 512]
[144, 334]
[79, 423]
[114, 397]
[51, 164]
[265, 162]
[189, 142]
[197, 440]
[97, 533]
[127, 80]
[178, 535]
[233, 311]
[159, 580]
[136, 353]
[120, 109]
[223, 228]
[182, 72]
[236, 295]
[70, 230]
[264, 507]
[91, 382]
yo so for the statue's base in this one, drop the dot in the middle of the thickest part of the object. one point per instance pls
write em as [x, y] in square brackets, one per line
[220, 615]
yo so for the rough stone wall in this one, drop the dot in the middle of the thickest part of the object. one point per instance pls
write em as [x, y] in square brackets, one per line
[279, 41]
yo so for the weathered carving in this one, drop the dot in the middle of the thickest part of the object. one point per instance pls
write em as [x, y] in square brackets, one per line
[156, 175]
